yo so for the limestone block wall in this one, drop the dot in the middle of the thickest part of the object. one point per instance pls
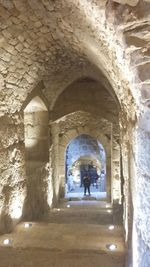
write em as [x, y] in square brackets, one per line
[115, 165]
[129, 191]
[137, 143]
[12, 166]
[56, 177]
[126, 187]
[36, 136]
[37, 159]
[141, 222]
[36, 204]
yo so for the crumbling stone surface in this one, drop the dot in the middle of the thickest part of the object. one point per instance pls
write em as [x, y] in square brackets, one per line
[12, 186]
[6, 224]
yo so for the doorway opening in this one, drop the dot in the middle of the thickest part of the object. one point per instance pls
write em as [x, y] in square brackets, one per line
[85, 156]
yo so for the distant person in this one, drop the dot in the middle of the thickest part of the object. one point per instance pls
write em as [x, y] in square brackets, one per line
[102, 176]
[96, 180]
[71, 186]
[86, 183]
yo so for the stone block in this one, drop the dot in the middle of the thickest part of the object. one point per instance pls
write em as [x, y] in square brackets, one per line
[21, 38]
[15, 20]
[4, 13]
[72, 134]
[145, 91]
[29, 79]
[116, 154]
[135, 41]
[144, 71]
[62, 161]
[44, 29]
[144, 122]
[4, 55]
[12, 79]
[20, 5]
[41, 118]
[128, 2]
[1, 80]
[38, 24]
[37, 132]
[19, 47]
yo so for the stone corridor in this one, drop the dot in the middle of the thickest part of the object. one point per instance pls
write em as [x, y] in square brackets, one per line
[74, 98]
[72, 236]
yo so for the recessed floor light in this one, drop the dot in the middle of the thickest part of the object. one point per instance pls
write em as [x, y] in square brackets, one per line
[27, 225]
[111, 227]
[109, 211]
[7, 242]
[58, 209]
[68, 206]
[111, 247]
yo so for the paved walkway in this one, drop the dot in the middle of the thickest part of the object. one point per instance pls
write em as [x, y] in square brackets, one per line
[72, 236]
[78, 193]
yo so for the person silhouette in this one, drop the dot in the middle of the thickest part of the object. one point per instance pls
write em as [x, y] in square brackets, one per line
[86, 183]
[70, 183]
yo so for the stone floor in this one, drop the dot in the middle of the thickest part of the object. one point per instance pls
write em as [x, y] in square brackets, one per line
[80, 195]
[78, 192]
[72, 236]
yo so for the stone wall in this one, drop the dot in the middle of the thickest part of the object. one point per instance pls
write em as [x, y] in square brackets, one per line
[44, 40]
[36, 139]
[12, 165]
[116, 165]
[36, 136]
[141, 222]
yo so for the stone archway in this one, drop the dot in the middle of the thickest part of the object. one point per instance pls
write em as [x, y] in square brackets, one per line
[60, 143]
[84, 154]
